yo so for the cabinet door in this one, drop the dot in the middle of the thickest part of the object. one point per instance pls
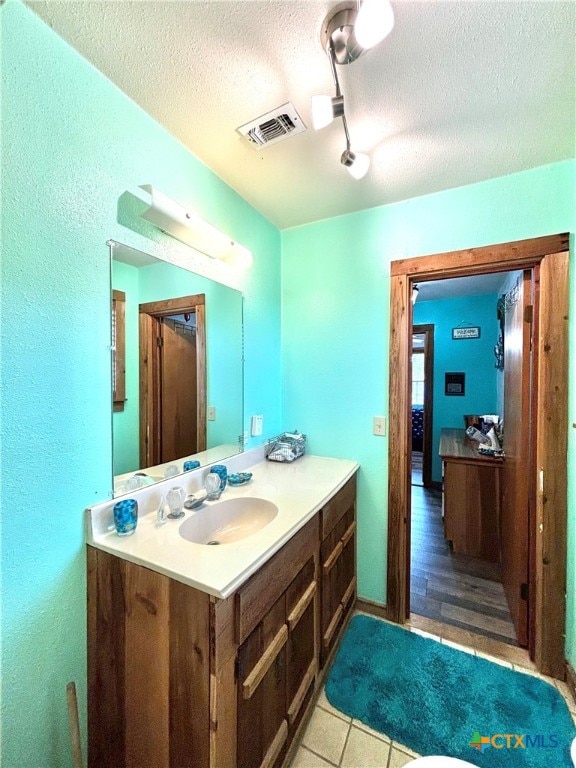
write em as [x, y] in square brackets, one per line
[262, 723]
[338, 566]
[302, 667]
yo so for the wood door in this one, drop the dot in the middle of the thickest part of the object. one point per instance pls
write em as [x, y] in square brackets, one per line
[514, 520]
[262, 722]
[550, 376]
[178, 390]
[152, 379]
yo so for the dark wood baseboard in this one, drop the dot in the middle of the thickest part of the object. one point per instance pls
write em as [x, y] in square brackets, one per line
[571, 680]
[369, 606]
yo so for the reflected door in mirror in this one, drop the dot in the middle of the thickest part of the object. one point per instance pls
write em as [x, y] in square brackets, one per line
[178, 396]
[173, 379]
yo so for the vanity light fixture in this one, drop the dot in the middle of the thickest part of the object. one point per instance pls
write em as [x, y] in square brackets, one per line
[415, 291]
[192, 230]
[347, 31]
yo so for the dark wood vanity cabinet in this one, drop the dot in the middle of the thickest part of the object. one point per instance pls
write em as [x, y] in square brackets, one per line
[180, 679]
[276, 674]
[262, 664]
[338, 564]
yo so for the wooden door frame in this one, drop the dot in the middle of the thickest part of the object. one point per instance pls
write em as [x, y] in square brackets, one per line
[150, 372]
[428, 330]
[551, 425]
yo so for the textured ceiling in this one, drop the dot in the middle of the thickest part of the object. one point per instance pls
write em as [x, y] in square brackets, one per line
[458, 93]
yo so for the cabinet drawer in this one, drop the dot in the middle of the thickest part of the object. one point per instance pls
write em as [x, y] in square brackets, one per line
[338, 506]
[259, 594]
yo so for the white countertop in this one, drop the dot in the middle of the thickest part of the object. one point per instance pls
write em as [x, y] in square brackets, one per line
[298, 489]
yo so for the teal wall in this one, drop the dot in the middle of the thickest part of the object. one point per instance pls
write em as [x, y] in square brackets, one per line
[473, 357]
[73, 144]
[335, 325]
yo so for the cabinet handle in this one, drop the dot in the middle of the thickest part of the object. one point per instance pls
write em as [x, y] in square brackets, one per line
[349, 533]
[334, 555]
[332, 626]
[298, 611]
[277, 744]
[349, 592]
[264, 663]
[300, 695]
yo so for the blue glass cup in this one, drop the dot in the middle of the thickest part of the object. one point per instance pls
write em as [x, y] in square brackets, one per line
[126, 516]
[222, 472]
[188, 465]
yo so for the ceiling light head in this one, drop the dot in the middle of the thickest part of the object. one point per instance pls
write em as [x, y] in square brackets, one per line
[415, 291]
[375, 21]
[357, 163]
[338, 33]
[325, 109]
[352, 27]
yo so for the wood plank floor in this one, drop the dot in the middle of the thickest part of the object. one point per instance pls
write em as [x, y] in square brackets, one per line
[462, 591]
[417, 467]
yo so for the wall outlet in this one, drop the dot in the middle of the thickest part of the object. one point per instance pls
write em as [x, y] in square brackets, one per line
[256, 423]
[379, 426]
[211, 413]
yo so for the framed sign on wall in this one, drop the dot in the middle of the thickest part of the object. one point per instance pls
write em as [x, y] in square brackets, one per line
[470, 332]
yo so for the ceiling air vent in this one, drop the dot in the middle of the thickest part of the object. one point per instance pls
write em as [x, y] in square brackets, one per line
[274, 126]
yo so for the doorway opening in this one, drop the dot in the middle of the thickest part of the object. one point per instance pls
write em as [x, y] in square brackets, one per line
[172, 379]
[461, 541]
[422, 403]
[545, 472]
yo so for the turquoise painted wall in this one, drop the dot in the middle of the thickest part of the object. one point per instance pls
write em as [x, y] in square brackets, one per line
[473, 357]
[72, 145]
[335, 325]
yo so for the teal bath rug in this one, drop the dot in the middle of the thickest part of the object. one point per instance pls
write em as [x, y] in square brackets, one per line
[438, 700]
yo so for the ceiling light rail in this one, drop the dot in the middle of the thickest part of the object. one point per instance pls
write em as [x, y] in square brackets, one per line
[347, 31]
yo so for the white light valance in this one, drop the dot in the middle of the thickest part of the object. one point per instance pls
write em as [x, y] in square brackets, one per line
[189, 228]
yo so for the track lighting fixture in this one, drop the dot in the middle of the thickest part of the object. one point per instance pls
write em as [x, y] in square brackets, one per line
[325, 109]
[375, 22]
[357, 163]
[349, 29]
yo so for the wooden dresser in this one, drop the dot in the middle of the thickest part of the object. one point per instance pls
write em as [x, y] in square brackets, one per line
[471, 496]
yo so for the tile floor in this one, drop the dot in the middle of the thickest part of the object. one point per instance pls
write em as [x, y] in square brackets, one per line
[334, 739]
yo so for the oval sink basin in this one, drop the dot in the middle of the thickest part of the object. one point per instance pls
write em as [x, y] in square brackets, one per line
[228, 521]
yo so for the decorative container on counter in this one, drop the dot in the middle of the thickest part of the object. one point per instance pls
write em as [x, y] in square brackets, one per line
[126, 516]
[222, 472]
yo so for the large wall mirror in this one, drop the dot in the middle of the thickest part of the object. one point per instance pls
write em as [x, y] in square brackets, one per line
[177, 368]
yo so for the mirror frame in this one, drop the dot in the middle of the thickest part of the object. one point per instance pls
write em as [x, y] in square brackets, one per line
[208, 455]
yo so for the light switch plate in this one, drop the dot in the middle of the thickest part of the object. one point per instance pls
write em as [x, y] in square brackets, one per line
[256, 423]
[379, 426]
[211, 413]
